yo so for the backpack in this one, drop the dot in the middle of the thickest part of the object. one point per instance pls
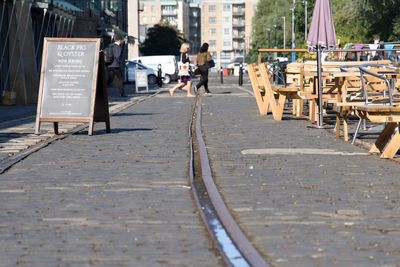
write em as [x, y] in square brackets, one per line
[109, 54]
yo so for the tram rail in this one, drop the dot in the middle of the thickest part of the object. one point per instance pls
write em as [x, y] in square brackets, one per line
[235, 248]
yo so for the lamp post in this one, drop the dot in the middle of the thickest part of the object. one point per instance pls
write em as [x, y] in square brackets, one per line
[284, 32]
[269, 37]
[275, 34]
[293, 34]
[305, 19]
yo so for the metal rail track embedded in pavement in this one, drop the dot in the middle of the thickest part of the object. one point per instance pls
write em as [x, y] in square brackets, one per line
[234, 246]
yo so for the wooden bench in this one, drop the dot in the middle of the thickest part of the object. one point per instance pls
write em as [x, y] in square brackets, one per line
[269, 97]
[295, 76]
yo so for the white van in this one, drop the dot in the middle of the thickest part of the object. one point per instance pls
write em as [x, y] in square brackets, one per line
[168, 63]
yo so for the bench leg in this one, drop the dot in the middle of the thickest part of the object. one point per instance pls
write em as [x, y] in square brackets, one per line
[337, 126]
[300, 107]
[277, 111]
[386, 143]
[294, 106]
[297, 107]
[392, 147]
[312, 110]
[345, 126]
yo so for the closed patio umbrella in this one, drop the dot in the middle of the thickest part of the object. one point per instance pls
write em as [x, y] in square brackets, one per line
[321, 36]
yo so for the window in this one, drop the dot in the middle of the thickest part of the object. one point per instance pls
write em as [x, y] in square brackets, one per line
[144, 20]
[212, 31]
[227, 7]
[212, 20]
[227, 19]
[225, 55]
[212, 43]
[211, 8]
[227, 43]
[227, 31]
[152, 9]
[153, 19]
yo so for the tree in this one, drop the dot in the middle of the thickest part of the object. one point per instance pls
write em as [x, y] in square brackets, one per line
[355, 21]
[162, 39]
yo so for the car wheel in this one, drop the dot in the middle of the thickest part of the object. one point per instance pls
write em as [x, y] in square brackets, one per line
[152, 79]
[167, 79]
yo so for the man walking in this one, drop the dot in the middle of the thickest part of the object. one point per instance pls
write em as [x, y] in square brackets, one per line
[114, 69]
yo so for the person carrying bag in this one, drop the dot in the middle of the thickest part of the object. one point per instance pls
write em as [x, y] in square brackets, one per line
[185, 79]
[204, 62]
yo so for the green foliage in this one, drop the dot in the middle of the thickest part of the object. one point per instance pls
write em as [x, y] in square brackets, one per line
[355, 21]
[162, 39]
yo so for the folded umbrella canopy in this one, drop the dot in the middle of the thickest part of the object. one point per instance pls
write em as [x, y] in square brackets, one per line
[321, 36]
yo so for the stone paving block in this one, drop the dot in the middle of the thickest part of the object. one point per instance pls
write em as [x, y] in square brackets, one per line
[118, 199]
[302, 209]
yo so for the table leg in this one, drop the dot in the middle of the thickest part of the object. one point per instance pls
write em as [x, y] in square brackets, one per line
[384, 138]
[393, 145]
[337, 127]
[345, 126]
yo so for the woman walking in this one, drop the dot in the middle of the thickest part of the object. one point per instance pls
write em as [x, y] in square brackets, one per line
[203, 57]
[185, 80]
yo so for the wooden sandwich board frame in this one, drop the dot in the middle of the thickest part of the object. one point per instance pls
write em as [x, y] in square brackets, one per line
[73, 76]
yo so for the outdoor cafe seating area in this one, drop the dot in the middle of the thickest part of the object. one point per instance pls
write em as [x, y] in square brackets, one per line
[363, 94]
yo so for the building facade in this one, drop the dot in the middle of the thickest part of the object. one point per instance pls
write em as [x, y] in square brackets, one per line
[25, 23]
[183, 14]
[226, 27]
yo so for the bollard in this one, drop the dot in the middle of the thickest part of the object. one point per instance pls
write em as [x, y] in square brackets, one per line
[222, 75]
[240, 75]
[159, 78]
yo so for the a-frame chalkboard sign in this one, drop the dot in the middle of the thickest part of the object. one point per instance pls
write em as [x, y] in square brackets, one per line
[73, 84]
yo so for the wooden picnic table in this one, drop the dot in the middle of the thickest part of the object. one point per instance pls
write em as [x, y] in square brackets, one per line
[388, 142]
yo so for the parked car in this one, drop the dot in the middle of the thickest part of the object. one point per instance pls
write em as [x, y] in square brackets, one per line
[169, 65]
[130, 72]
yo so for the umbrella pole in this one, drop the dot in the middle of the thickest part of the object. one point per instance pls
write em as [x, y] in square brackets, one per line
[319, 68]
[319, 124]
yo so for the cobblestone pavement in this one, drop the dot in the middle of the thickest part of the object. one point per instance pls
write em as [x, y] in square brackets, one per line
[118, 199]
[305, 198]
[122, 199]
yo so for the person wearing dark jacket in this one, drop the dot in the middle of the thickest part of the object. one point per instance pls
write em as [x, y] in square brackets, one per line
[203, 57]
[115, 69]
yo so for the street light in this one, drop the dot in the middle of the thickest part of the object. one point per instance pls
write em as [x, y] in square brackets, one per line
[275, 34]
[305, 3]
[293, 34]
[284, 32]
[305, 19]
[269, 37]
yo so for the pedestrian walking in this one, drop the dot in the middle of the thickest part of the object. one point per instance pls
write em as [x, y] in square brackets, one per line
[203, 63]
[185, 79]
[115, 68]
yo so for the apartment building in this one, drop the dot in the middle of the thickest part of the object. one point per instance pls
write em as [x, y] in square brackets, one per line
[226, 26]
[195, 26]
[184, 14]
[176, 12]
